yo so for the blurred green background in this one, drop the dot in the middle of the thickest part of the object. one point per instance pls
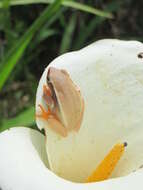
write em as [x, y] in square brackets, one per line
[34, 32]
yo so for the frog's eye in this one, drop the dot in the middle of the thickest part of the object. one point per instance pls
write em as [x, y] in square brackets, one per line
[48, 79]
[48, 75]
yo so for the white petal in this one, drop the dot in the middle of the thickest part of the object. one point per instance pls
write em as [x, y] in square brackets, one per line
[109, 74]
[21, 167]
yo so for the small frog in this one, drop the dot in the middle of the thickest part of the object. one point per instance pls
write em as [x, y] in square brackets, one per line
[64, 102]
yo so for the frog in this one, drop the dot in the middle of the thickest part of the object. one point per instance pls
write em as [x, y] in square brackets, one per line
[64, 102]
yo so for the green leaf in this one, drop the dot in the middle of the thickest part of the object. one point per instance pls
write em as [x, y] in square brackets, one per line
[5, 21]
[89, 28]
[87, 8]
[67, 37]
[67, 3]
[26, 118]
[43, 34]
[17, 51]
[5, 3]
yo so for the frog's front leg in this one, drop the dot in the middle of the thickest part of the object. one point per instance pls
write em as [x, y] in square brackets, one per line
[52, 120]
[48, 100]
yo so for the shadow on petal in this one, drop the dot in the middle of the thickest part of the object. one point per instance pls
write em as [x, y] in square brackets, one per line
[38, 142]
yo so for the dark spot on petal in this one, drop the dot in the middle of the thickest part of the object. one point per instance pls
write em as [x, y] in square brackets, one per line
[125, 144]
[140, 55]
[141, 166]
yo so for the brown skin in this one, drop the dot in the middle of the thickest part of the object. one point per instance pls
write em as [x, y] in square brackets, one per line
[64, 102]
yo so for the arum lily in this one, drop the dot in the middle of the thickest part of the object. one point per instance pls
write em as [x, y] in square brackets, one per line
[87, 101]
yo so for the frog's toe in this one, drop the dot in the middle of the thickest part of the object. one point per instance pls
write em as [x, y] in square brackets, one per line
[44, 114]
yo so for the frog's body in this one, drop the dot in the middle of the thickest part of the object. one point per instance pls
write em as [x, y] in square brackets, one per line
[64, 102]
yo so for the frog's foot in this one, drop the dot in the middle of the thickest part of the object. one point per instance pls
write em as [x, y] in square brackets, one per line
[44, 114]
[54, 123]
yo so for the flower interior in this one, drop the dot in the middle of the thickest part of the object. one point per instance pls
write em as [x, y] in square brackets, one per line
[107, 165]
[89, 108]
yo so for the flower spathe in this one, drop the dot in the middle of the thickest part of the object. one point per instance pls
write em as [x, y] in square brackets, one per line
[23, 166]
[109, 75]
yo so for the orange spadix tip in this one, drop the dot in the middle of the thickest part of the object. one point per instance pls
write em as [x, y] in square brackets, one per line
[108, 164]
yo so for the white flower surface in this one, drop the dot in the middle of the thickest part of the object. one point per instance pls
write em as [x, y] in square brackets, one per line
[109, 74]
[23, 166]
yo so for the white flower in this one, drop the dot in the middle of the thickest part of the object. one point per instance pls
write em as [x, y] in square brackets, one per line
[109, 75]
